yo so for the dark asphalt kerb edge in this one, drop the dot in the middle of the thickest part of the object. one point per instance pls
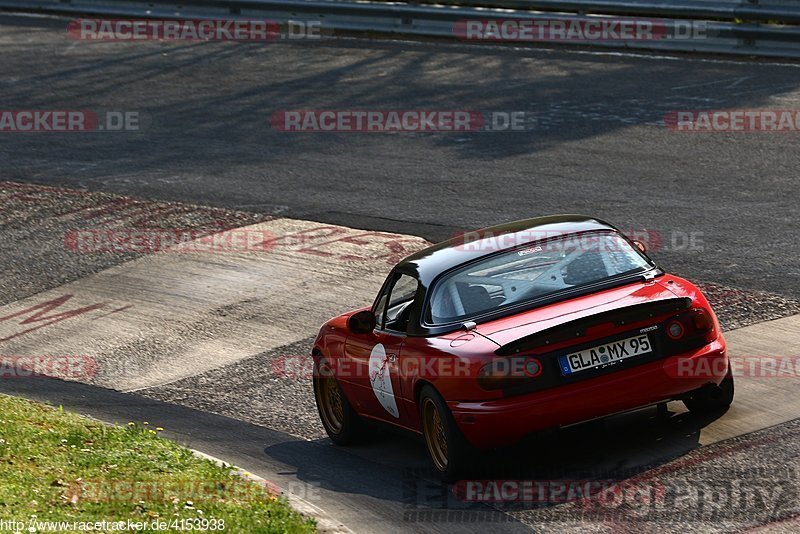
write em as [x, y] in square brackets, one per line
[324, 523]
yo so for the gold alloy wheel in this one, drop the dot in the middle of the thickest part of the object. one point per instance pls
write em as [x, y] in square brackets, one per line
[433, 429]
[330, 403]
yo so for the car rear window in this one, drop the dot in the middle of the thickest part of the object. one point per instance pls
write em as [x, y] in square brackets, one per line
[535, 271]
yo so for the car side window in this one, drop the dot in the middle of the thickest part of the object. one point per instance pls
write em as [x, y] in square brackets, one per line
[380, 308]
[394, 307]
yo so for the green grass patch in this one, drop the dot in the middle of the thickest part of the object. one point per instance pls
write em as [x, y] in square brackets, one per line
[58, 466]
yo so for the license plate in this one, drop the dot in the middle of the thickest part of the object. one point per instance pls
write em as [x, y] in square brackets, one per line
[603, 355]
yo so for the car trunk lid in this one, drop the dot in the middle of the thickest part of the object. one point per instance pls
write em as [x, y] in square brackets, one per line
[558, 322]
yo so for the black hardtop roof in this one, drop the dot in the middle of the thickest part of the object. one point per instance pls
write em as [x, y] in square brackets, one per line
[428, 263]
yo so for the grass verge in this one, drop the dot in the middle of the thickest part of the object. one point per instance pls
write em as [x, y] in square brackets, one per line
[58, 466]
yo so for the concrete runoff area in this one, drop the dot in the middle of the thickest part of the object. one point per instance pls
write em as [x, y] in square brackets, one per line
[175, 314]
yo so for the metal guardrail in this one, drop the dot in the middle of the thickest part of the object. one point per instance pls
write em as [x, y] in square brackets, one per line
[742, 27]
[725, 10]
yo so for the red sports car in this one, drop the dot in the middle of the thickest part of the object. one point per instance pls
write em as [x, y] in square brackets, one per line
[485, 338]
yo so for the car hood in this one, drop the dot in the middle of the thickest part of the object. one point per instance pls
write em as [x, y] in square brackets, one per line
[508, 329]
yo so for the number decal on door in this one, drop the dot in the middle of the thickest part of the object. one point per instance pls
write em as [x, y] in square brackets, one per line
[381, 380]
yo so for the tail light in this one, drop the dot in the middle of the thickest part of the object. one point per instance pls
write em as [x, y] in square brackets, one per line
[692, 324]
[675, 330]
[507, 373]
[703, 321]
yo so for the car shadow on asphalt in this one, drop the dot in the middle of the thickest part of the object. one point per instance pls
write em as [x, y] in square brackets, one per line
[608, 451]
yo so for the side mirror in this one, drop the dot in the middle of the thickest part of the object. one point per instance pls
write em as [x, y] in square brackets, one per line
[641, 246]
[362, 322]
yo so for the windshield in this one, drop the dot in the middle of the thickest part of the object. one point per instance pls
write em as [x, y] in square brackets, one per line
[537, 271]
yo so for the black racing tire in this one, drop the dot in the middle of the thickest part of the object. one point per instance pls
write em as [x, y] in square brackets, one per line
[340, 420]
[447, 447]
[711, 399]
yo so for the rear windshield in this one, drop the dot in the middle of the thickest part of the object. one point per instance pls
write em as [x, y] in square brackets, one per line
[537, 271]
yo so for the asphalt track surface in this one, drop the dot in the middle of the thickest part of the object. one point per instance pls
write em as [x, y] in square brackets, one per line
[596, 142]
[597, 146]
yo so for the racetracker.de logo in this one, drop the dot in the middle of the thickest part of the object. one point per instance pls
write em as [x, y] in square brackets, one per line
[604, 492]
[740, 367]
[146, 241]
[302, 367]
[30, 120]
[577, 31]
[377, 120]
[550, 240]
[168, 490]
[64, 367]
[173, 30]
[47, 121]
[734, 120]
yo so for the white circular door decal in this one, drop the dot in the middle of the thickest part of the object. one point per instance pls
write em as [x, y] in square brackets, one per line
[380, 379]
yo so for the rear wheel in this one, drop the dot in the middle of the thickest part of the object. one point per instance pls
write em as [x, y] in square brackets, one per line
[447, 447]
[340, 420]
[712, 398]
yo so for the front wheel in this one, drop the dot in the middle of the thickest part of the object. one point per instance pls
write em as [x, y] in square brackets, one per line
[712, 398]
[447, 447]
[340, 420]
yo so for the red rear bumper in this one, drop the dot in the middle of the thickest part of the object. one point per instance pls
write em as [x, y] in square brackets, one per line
[505, 421]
